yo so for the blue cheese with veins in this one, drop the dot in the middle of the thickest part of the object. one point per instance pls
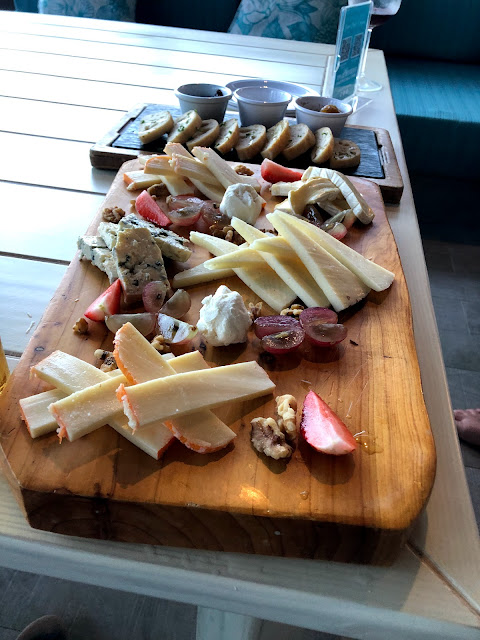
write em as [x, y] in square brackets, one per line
[87, 244]
[139, 261]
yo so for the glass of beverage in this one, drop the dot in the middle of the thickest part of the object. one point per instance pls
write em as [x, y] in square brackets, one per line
[382, 10]
[4, 372]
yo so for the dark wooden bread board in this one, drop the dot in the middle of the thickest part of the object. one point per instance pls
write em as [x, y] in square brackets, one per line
[378, 163]
[351, 508]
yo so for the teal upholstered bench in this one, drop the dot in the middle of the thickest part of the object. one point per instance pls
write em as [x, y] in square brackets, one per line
[432, 49]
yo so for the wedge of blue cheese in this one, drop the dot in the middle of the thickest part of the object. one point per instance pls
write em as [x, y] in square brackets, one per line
[172, 245]
[93, 248]
[139, 261]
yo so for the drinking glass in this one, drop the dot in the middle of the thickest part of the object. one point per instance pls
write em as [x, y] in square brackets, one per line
[382, 10]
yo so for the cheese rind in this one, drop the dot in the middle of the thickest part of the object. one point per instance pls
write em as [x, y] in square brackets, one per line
[185, 393]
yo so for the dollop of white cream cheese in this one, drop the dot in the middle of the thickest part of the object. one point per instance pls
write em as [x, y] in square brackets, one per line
[242, 201]
[224, 319]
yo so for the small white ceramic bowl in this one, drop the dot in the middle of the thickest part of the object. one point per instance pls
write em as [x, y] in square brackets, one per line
[204, 99]
[261, 105]
[308, 112]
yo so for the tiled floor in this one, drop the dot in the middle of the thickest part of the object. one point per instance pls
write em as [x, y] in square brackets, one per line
[101, 614]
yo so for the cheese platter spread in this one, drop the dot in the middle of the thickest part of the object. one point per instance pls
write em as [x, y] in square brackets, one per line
[259, 388]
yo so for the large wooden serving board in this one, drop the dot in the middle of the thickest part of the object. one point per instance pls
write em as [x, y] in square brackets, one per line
[356, 507]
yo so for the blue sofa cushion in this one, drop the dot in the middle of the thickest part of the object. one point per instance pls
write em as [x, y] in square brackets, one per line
[307, 20]
[434, 29]
[438, 110]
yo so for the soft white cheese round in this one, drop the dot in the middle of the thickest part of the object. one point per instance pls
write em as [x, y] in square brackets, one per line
[242, 201]
[224, 319]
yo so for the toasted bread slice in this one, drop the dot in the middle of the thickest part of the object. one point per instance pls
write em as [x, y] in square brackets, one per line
[204, 135]
[277, 139]
[301, 140]
[251, 141]
[154, 125]
[323, 148]
[228, 136]
[345, 154]
[185, 127]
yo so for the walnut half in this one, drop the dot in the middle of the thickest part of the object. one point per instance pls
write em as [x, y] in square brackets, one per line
[267, 438]
[113, 214]
[108, 361]
[80, 326]
[287, 412]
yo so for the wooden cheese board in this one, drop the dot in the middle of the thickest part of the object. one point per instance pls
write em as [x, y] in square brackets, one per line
[350, 508]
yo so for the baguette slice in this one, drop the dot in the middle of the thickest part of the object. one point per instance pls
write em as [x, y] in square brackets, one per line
[301, 140]
[345, 154]
[185, 127]
[205, 135]
[251, 141]
[277, 139]
[155, 125]
[324, 143]
[228, 136]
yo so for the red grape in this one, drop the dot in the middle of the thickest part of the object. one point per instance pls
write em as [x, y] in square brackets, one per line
[153, 296]
[266, 325]
[325, 335]
[317, 315]
[283, 341]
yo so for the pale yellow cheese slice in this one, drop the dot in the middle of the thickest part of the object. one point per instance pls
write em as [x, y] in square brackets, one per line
[186, 393]
[224, 173]
[373, 275]
[198, 275]
[276, 245]
[240, 258]
[262, 280]
[141, 180]
[84, 411]
[201, 431]
[342, 287]
[290, 270]
[35, 412]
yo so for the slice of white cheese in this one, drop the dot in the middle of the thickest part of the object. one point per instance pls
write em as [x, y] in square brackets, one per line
[290, 270]
[240, 258]
[372, 274]
[186, 393]
[198, 275]
[140, 180]
[262, 280]
[342, 287]
[351, 194]
[35, 412]
[224, 173]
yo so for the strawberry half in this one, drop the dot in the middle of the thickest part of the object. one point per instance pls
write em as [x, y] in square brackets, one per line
[149, 209]
[323, 429]
[107, 303]
[274, 172]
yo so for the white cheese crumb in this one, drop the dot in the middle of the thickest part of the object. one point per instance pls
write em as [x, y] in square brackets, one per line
[224, 319]
[242, 201]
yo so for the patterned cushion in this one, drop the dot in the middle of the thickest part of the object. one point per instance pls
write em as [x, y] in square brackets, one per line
[439, 115]
[307, 20]
[101, 9]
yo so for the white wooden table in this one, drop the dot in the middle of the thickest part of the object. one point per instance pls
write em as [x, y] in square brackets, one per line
[64, 82]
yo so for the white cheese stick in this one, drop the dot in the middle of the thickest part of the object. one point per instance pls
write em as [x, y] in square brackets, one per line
[198, 275]
[262, 280]
[190, 167]
[186, 393]
[224, 173]
[140, 180]
[201, 431]
[373, 275]
[240, 258]
[342, 287]
[35, 414]
[292, 272]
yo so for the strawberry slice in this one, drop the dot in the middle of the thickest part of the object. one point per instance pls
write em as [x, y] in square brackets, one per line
[323, 429]
[273, 172]
[149, 209]
[107, 303]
